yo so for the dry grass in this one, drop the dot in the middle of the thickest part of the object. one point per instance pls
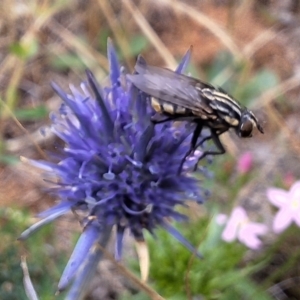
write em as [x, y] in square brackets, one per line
[35, 34]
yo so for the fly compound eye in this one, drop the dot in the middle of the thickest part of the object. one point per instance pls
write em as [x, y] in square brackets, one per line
[246, 128]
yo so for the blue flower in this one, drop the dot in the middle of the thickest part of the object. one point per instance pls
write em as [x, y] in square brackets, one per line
[117, 167]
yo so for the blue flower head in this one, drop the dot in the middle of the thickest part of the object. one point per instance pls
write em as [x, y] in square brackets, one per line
[116, 166]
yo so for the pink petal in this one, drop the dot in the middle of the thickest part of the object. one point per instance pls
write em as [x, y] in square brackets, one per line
[229, 234]
[252, 229]
[295, 191]
[297, 218]
[278, 197]
[282, 220]
[249, 233]
[231, 229]
[238, 214]
[245, 163]
[257, 228]
[221, 219]
[288, 179]
[252, 242]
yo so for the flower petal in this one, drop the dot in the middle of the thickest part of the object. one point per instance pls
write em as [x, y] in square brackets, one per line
[221, 219]
[87, 239]
[88, 268]
[282, 220]
[295, 192]
[297, 218]
[249, 240]
[277, 197]
[245, 163]
[177, 235]
[119, 242]
[259, 229]
[35, 227]
[231, 229]
[62, 208]
[113, 63]
[184, 62]
[107, 121]
[248, 234]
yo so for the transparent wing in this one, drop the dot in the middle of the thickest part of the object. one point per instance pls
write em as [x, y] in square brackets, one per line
[169, 86]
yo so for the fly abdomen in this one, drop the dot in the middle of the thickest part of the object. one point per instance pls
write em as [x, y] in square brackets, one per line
[163, 107]
[169, 108]
[182, 110]
[156, 104]
[204, 116]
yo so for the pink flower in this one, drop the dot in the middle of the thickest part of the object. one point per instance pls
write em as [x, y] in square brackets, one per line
[245, 163]
[288, 203]
[238, 226]
[288, 180]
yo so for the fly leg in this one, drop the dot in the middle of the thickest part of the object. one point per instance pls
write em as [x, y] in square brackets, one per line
[215, 138]
[161, 118]
[193, 145]
[158, 119]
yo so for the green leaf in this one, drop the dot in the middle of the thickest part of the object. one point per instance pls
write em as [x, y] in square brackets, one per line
[8, 159]
[139, 296]
[261, 82]
[246, 289]
[223, 60]
[136, 45]
[103, 36]
[13, 222]
[35, 113]
[68, 61]
[25, 51]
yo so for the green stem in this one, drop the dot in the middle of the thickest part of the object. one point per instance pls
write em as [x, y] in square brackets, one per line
[292, 260]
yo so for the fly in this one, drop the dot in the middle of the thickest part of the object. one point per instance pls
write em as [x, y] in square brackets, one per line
[179, 97]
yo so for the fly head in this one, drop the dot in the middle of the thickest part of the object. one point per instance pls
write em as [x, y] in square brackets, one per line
[247, 123]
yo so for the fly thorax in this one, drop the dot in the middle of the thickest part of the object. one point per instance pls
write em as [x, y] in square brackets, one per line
[207, 93]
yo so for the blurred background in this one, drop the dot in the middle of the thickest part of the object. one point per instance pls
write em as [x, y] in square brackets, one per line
[248, 47]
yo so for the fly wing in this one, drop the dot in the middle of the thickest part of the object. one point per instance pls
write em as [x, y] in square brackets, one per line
[169, 86]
